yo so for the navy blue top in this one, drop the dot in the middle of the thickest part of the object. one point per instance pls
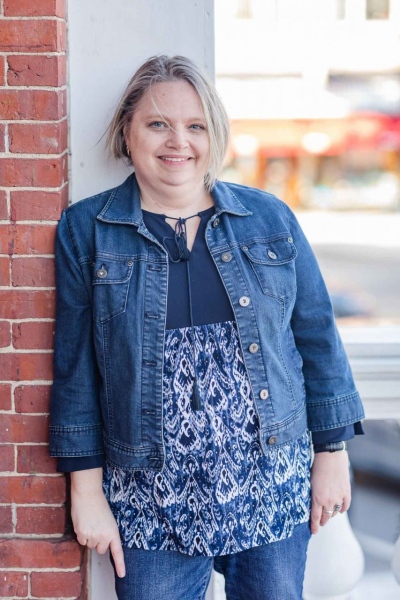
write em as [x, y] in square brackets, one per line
[210, 304]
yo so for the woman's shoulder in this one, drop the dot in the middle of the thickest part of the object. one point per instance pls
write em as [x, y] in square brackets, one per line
[92, 205]
[253, 198]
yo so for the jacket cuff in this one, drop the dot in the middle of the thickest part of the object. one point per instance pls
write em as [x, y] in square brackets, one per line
[332, 413]
[76, 440]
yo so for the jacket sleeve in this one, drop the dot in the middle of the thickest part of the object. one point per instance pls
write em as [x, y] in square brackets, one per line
[332, 399]
[75, 416]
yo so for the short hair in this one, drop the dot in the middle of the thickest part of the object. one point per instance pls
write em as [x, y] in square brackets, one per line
[160, 69]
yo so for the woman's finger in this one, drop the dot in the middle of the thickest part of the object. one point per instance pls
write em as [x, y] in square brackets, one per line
[316, 514]
[82, 540]
[346, 503]
[118, 556]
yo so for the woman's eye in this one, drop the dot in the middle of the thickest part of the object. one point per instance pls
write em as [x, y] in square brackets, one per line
[157, 124]
[197, 127]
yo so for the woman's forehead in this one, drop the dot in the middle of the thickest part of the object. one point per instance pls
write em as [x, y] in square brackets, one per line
[171, 97]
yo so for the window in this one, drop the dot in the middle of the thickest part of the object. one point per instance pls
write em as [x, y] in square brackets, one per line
[377, 9]
[244, 9]
[340, 9]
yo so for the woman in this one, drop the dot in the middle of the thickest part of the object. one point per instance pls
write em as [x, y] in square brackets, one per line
[195, 350]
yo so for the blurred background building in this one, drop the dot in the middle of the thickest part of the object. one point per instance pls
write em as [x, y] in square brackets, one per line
[313, 93]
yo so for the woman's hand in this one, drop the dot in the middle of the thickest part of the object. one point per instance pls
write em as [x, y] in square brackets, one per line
[330, 486]
[94, 523]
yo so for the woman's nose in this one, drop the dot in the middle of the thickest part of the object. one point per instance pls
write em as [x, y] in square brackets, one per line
[177, 138]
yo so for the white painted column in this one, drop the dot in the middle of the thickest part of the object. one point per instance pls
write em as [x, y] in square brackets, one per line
[107, 41]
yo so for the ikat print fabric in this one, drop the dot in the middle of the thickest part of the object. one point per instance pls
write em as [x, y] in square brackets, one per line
[217, 493]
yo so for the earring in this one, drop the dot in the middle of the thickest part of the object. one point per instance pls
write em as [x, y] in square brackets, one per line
[128, 151]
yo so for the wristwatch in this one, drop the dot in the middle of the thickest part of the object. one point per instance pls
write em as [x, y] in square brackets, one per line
[331, 447]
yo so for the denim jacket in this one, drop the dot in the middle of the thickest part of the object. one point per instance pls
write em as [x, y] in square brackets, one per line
[112, 278]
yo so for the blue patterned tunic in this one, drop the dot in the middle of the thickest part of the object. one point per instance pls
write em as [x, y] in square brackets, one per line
[217, 493]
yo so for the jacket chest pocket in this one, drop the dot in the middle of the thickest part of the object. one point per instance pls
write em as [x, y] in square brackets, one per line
[273, 262]
[111, 279]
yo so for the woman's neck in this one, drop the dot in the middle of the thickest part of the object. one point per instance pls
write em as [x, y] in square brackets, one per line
[176, 202]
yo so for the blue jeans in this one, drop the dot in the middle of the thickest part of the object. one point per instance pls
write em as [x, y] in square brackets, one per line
[271, 572]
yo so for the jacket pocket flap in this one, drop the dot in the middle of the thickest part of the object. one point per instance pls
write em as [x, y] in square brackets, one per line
[106, 271]
[272, 251]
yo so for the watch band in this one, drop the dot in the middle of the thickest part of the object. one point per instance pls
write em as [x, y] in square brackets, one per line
[331, 447]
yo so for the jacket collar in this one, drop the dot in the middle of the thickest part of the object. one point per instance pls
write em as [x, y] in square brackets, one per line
[123, 205]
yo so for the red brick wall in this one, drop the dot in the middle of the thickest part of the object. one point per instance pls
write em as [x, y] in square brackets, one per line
[37, 558]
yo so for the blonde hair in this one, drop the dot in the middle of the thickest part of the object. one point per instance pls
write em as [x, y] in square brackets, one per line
[159, 69]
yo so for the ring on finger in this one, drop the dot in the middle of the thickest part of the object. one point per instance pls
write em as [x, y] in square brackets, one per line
[328, 512]
[337, 507]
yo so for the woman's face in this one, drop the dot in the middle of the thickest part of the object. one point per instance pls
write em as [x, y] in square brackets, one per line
[168, 139]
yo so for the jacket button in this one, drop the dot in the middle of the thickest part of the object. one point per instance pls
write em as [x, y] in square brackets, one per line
[244, 301]
[216, 223]
[264, 394]
[271, 254]
[226, 257]
[101, 273]
[253, 348]
[129, 263]
[290, 240]
[272, 440]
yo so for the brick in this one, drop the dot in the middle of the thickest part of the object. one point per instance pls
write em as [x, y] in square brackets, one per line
[5, 396]
[6, 459]
[23, 304]
[4, 270]
[24, 428]
[32, 172]
[56, 585]
[39, 105]
[6, 525]
[35, 459]
[54, 554]
[36, 335]
[35, 8]
[40, 520]
[5, 337]
[3, 205]
[2, 70]
[14, 583]
[26, 69]
[26, 366]
[33, 272]
[2, 137]
[27, 239]
[32, 398]
[32, 35]
[34, 206]
[31, 489]
[45, 138]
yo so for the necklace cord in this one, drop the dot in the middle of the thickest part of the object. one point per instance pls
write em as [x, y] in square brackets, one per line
[180, 238]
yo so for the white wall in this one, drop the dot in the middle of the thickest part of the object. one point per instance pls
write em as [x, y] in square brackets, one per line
[107, 41]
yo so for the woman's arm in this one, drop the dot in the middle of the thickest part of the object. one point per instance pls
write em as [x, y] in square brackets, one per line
[94, 523]
[76, 424]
